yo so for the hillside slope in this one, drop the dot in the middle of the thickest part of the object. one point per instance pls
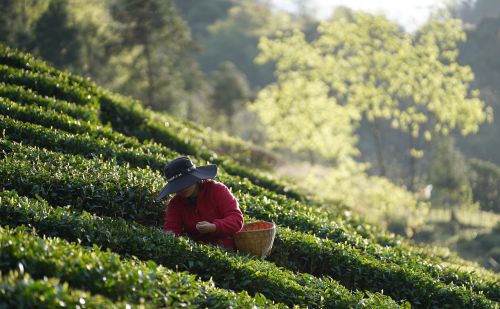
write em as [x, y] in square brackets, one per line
[79, 171]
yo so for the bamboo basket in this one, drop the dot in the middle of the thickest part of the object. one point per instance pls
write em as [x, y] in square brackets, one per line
[256, 238]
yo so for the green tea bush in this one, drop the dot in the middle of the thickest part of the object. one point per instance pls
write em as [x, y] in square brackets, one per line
[114, 170]
[297, 250]
[46, 85]
[19, 290]
[227, 269]
[24, 96]
[105, 273]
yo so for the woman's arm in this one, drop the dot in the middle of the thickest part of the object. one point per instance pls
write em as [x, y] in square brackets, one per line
[232, 218]
[173, 219]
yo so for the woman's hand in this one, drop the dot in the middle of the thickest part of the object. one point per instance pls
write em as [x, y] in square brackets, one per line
[205, 227]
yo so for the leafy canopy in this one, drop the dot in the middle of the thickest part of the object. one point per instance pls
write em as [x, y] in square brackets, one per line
[365, 66]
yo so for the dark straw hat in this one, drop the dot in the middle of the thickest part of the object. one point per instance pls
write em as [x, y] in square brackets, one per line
[181, 173]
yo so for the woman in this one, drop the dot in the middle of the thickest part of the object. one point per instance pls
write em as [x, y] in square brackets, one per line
[202, 208]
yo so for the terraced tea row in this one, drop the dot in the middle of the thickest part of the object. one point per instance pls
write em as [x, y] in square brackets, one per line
[105, 273]
[354, 268]
[126, 116]
[268, 209]
[24, 96]
[132, 116]
[19, 290]
[227, 269]
[134, 120]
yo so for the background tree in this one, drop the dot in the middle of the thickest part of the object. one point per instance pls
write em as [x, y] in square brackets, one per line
[16, 21]
[480, 52]
[99, 37]
[230, 91]
[201, 14]
[57, 41]
[449, 175]
[300, 115]
[235, 39]
[474, 11]
[157, 45]
[368, 64]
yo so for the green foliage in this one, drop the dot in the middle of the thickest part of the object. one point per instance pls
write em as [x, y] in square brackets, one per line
[228, 270]
[449, 175]
[366, 196]
[157, 43]
[201, 14]
[56, 40]
[17, 19]
[485, 180]
[130, 118]
[47, 85]
[141, 49]
[22, 95]
[84, 166]
[95, 198]
[299, 115]
[100, 40]
[365, 66]
[230, 90]
[19, 290]
[235, 39]
[105, 273]
[409, 281]
[64, 194]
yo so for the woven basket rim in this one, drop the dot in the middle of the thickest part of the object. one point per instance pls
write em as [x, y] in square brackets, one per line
[261, 230]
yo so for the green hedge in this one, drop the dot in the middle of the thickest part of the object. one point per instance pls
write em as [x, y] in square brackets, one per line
[105, 273]
[257, 206]
[361, 271]
[227, 269]
[20, 290]
[18, 59]
[355, 268]
[96, 185]
[292, 213]
[130, 115]
[130, 118]
[54, 120]
[47, 85]
[138, 119]
[24, 96]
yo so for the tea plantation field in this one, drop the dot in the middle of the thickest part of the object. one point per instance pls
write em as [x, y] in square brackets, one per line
[79, 170]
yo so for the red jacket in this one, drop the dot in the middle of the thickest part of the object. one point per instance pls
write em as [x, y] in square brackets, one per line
[214, 204]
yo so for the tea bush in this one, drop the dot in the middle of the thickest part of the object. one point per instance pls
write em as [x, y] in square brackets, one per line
[103, 153]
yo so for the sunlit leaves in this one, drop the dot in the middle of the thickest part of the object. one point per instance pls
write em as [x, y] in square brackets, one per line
[363, 64]
[313, 118]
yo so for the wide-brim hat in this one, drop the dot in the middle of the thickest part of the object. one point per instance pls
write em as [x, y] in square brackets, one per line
[182, 173]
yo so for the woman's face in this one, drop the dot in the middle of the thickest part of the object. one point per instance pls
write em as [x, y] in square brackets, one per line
[187, 192]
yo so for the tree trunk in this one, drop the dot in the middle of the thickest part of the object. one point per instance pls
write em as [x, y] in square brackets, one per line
[378, 148]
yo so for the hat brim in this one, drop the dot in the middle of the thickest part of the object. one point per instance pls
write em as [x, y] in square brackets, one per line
[200, 173]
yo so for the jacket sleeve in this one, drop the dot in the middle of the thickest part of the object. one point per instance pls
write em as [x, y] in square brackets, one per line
[173, 219]
[232, 218]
